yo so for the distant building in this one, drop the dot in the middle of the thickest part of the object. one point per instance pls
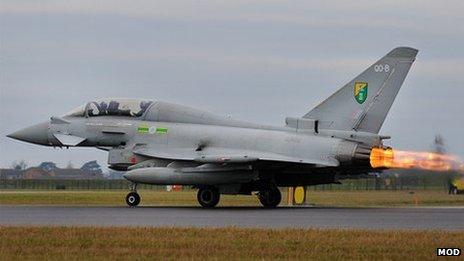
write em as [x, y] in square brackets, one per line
[10, 174]
[74, 174]
[56, 173]
[35, 173]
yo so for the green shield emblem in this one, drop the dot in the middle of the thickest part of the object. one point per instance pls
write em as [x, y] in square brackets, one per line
[360, 92]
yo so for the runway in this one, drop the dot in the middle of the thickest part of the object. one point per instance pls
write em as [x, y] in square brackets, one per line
[302, 217]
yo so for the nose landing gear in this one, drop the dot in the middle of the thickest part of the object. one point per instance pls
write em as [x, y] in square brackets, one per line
[133, 198]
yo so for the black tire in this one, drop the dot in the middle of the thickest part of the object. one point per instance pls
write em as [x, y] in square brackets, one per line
[208, 197]
[270, 198]
[133, 199]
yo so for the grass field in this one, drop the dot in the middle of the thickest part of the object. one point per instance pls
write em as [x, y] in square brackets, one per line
[188, 198]
[95, 243]
[121, 243]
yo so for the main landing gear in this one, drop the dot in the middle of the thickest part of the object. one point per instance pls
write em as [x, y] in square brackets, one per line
[270, 197]
[133, 198]
[208, 197]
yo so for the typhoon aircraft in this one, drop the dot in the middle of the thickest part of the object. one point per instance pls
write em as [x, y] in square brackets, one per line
[163, 143]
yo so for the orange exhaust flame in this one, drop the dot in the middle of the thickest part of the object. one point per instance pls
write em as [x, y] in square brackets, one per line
[389, 158]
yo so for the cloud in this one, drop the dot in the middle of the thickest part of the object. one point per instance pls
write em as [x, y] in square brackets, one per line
[436, 67]
[409, 15]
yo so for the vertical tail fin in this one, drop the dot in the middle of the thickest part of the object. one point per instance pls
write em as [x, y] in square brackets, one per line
[363, 103]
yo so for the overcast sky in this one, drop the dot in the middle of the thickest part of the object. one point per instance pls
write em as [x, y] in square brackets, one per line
[254, 60]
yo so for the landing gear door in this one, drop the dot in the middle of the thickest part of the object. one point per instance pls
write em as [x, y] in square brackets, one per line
[64, 132]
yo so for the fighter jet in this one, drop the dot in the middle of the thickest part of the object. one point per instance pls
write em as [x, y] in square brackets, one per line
[162, 143]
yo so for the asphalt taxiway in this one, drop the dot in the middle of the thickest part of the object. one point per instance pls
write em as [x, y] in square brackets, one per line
[297, 217]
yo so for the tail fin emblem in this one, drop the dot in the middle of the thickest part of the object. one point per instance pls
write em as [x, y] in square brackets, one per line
[360, 92]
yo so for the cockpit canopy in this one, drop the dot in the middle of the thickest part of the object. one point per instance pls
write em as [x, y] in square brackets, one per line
[111, 107]
[158, 111]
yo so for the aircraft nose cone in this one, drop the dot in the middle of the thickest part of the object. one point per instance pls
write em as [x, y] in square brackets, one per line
[37, 134]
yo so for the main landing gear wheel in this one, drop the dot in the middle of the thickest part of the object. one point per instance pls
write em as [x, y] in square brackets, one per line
[270, 198]
[133, 199]
[208, 197]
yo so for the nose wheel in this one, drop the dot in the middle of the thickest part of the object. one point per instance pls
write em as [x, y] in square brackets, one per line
[133, 198]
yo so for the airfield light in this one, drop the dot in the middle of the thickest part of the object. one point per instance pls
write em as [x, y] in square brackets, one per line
[391, 158]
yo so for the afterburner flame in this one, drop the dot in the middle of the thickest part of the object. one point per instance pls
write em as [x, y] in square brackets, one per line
[390, 158]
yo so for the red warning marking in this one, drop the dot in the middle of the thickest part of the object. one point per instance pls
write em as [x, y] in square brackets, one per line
[133, 160]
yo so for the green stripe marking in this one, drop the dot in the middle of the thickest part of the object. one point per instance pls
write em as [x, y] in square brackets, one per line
[161, 130]
[143, 129]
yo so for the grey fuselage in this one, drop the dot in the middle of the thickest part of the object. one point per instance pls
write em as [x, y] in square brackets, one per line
[167, 135]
